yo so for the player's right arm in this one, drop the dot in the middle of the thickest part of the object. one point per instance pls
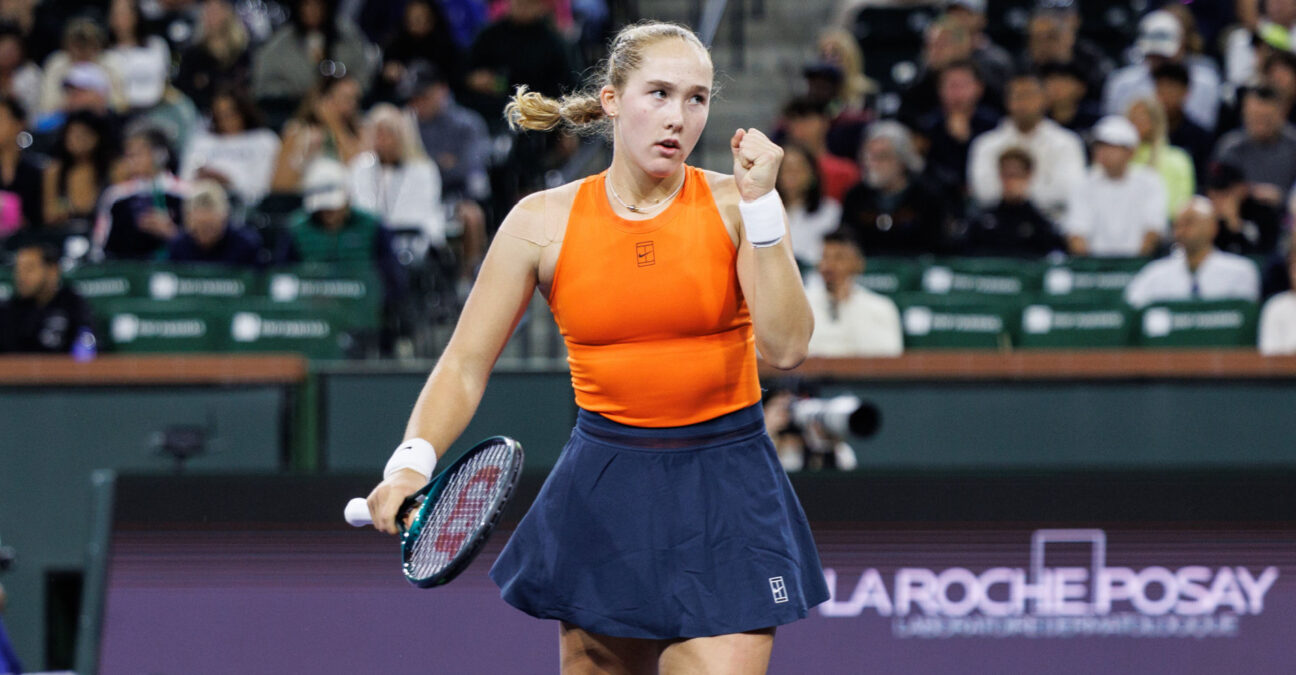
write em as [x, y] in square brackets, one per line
[450, 397]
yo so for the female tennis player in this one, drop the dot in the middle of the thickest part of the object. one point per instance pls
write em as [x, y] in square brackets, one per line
[667, 537]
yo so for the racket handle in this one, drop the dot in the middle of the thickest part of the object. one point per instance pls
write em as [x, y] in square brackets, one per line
[357, 513]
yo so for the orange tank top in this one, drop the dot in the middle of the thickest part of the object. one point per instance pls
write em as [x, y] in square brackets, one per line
[658, 333]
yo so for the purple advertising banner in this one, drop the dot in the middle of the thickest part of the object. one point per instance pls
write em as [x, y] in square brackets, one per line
[915, 600]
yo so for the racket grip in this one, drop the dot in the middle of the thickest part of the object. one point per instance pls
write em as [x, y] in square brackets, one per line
[357, 513]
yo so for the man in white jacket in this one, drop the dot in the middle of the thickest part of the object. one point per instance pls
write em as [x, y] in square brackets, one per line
[1058, 152]
[1118, 209]
[850, 320]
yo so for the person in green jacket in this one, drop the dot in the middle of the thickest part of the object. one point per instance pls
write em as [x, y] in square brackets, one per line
[1173, 164]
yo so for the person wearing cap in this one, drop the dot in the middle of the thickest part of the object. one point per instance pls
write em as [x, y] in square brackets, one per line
[1161, 40]
[1058, 153]
[1247, 226]
[84, 42]
[1195, 269]
[1264, 148]
[327, 229]
[1118, 208]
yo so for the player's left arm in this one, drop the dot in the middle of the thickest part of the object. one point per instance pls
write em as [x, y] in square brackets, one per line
[767, 273]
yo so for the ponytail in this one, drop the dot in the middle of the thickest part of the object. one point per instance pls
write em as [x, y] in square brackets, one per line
[582, 113]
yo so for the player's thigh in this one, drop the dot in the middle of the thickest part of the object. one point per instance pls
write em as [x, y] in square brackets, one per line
[585, 653]
[734, 654]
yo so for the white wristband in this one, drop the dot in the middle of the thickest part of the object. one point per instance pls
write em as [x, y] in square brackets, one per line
[416, 454]
[763, 219]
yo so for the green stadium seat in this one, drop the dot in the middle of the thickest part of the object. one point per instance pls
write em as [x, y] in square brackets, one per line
[1002, 277]
[891, 275]
[315, 331]
[956, 322]
[110, 280]
[168, 282]
[1052, 323]
[1220, 323]
[1092, 278]
[133, 325]
[354, 290]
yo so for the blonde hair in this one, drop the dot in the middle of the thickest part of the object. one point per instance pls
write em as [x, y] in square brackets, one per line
[583, 111]
[207, 194]
[386, 114]
[1160, 139]
[837, 44]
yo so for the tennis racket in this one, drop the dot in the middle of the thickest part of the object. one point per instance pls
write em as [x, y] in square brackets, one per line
[456, 511]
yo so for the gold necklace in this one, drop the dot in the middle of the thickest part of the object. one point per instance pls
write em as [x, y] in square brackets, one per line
[641, 209]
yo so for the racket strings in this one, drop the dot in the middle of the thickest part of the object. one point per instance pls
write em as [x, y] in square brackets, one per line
[463, 507]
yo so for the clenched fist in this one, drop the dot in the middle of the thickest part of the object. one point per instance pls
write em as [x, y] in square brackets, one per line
[756, 162]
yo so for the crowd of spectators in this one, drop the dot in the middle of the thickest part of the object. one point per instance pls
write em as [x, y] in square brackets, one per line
[1166, 146]
[259, 134]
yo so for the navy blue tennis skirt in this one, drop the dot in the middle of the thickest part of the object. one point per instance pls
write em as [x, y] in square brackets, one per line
[665, 533]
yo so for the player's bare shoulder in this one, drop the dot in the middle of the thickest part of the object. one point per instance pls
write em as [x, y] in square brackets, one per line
[541, 217]
[724, 189]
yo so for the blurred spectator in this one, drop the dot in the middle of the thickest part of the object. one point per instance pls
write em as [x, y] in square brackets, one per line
[1275, 26]
[947, 133]
[1246, 225]
[21, 179]
[810, 213]
[175, 20]
[19, 77]
[1117, 209]
[892, 212]
[945, 41]
[1278, 317]
[44, 315]
[1280, 73]
[83, 45]
[1052, 37]
[836, 46]
[79, 171]
[327, 124]
[219, 57]
[837, 80]
[453, 136]
[1058, 153]
[1264, 148]
[86, 88]
[394, 179]
[329, 230]
[1161, 40]
[138, 216]
[1014, 227]
[523, 47]
[422, 37]
[143, 60]
[237, 151]
[806, 122]
[1068, 97]
[1195, 269]
[174, 114]
[850, 320]
[316, 41]
[1173, 164]
[1171, 84]
[992, 60]
[208, 235]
